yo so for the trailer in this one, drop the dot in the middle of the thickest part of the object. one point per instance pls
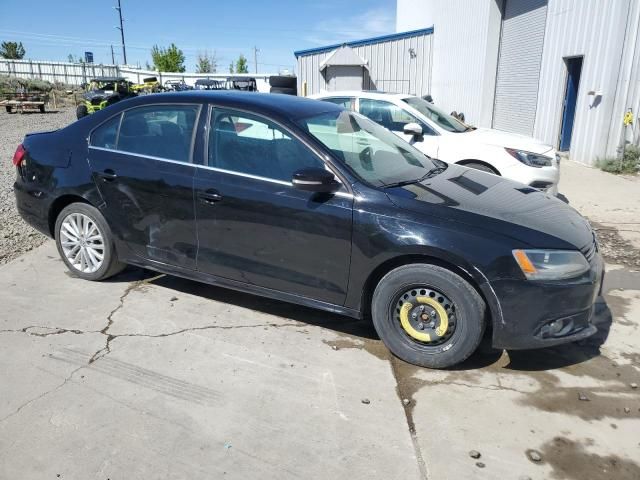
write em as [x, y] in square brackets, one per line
[19, 102]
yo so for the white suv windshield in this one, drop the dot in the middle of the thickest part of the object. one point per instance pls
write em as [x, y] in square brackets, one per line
[444, 120]
[372, 152]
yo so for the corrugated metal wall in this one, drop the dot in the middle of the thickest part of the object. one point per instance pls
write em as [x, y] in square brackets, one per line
[519, 61]
[465, 52]
[391, 66]
[67, 73]
[596, 30]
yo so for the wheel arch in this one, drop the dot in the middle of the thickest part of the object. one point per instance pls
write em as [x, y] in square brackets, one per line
[481, 162]
[385, 267]
[59, 204]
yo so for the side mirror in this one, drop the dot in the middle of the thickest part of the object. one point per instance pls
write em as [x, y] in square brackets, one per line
[413, 129]
[315, 180]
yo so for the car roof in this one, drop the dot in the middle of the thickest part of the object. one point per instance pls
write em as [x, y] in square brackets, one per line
[287, 107]
[363, 94]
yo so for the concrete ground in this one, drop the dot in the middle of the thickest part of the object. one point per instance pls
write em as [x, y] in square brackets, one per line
[152, 377]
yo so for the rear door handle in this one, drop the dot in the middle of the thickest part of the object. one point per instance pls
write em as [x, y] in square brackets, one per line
[210, 197]
[107, 175]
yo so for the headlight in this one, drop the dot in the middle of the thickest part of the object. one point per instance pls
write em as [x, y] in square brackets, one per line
[529, 158]
[551, 264]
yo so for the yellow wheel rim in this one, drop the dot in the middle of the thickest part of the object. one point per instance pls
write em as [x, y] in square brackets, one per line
[442, 315]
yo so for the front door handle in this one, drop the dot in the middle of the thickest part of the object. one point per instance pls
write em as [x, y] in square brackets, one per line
[210, 197]
[107, 175]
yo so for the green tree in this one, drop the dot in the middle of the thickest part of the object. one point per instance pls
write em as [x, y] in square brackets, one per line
[241, 65]
[12, 50]
[169, 59]
[207, 63]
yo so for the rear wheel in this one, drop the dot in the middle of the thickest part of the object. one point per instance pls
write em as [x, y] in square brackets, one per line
[427, 315]
[85, 242]
[81, 111]
[7, 108]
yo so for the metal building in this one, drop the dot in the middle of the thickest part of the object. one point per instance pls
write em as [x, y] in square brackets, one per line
[400, 63]
[563, 71]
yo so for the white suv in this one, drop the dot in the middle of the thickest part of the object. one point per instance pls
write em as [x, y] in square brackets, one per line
[441, 136]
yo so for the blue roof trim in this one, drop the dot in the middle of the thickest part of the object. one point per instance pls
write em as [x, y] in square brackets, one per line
[366, 41]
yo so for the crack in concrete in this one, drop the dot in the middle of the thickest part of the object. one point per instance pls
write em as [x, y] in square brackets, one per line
[130, 288]
[42, 395]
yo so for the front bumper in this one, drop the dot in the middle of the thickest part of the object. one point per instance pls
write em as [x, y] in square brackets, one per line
[529, 308]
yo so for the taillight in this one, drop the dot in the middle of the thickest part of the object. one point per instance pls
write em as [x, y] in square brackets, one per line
[18, 157]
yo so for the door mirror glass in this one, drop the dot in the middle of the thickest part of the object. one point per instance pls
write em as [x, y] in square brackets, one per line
[315, 180]
[413, 129]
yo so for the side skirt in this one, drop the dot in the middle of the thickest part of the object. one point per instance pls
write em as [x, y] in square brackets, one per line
[242, 287]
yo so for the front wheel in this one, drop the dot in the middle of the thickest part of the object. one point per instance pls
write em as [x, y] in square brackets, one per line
[428, 315]
[81, 111]
[85, 243]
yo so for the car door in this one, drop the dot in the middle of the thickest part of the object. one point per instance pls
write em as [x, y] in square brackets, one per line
[141, 162]
[394, 118]
[254, 226]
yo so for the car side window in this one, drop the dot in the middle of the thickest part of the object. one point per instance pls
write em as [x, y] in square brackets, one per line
[106, 135]
[390, 115]
[252, 145]
[345, 102]
[163, 131]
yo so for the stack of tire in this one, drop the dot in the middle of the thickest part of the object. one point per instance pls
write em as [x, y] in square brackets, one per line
[285, 84]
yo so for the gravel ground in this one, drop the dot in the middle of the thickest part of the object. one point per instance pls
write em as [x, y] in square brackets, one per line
[16, 237]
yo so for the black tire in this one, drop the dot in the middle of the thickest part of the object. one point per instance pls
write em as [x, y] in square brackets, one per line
[284, 90]
[110, 265]
[41, 108]
[81, 111]
[8, 109]
[468, 310]
[282, 81]
[482, 167]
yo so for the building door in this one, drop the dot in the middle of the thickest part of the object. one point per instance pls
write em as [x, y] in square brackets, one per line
[574, 69]
[521, 42]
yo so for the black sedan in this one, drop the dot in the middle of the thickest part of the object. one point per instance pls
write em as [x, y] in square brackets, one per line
[308, 203]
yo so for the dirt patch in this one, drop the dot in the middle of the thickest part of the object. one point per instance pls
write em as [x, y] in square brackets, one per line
[616, 249]
[570, 460]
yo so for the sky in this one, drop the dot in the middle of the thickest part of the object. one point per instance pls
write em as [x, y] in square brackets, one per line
[53, 30]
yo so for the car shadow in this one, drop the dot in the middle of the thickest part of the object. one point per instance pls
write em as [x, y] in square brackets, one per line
[484, 357]
[339, 323]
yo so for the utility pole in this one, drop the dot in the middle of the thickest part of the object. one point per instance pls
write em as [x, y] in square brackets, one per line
[121, 28]
[113, 57]
[255, 57]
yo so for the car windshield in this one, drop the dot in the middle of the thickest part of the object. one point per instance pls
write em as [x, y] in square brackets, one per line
[372, 152]
[444, 120]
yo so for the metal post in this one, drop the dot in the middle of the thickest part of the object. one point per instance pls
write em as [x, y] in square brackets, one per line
[113, 57]
[255, 57]
[121, 28]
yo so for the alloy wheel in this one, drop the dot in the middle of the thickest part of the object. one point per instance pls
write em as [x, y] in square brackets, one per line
[82, 242]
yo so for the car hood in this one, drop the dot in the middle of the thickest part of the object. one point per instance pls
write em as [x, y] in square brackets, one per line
[489, 202]
[499, 138]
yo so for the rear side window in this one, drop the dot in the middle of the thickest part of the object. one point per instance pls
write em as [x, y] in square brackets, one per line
[164, 131]
[251, 145]
[106, 135]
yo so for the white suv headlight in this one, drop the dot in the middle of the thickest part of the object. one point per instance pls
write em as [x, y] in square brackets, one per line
[529, 158]
[551, 264]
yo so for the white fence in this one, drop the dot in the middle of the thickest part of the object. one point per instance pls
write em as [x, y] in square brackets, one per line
[62, 72]
[79, 73]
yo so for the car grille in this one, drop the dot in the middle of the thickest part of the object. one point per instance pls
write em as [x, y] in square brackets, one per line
[96, 101]
[589, 251]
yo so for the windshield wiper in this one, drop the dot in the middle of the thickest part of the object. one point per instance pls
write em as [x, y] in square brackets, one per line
[431, 173]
